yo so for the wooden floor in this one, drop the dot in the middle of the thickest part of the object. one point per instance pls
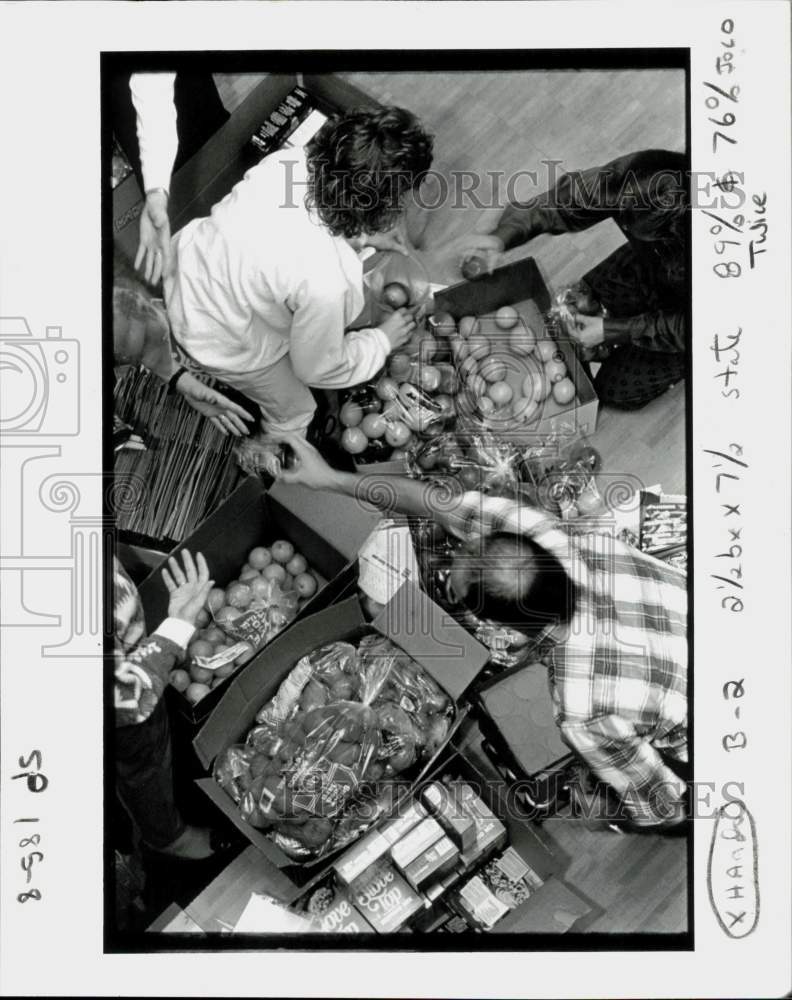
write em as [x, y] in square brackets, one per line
[505, 122]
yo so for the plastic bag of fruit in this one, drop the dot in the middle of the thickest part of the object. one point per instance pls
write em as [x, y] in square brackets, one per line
[270, 609]
[414, 714]
[490, 463]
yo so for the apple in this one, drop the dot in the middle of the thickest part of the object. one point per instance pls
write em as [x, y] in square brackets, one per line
[387, 388]
[409, 394]
[535, 386]
[459, 348]
[486, 406]
[179, 679]
[203, 618]
[564, 391]
[398, 453]
[297, 564]
[395, 294]
[429, 378]
[214, 634]
[473, 267]
[525, 409]
[260, 589]
[443, 324]
[374, 425]
[469, 325]
[215, 599]
[239, 595]
[506, 317]
[274, 572]
[228, 614]
[354, 441]
[446, 404]
[282, 551]
[200, 647]
[248, 574]
[522, 340]
[500, 393]
[260, 557]
[555, 370]
[545, 349]
[468, 369]
[305, 584]
[397, 435]
[351, 414]
[195, 692]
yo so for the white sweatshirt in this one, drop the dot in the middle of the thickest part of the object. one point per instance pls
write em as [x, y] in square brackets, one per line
[158, 140]
[262, 276]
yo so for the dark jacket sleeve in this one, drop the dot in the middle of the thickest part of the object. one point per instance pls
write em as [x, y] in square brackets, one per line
[582, 198]
[653, 331]
[141, 676]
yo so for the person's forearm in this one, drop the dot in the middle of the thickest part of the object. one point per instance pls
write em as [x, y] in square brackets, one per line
[399, 494]
[152, 96]
[665, 332]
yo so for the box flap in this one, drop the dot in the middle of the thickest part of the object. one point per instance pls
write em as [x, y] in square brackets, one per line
[487, 293]
[431, 636]
[260, 679]
[346, 521]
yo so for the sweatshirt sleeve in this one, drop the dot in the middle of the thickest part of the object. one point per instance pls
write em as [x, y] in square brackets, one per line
[152, 96]
[653, 331]
[322, 354]
[579, 200]
[141, 674]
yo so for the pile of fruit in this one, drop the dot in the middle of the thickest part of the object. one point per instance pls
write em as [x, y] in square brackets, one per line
[344, 724]
[242, 617]
[492, 372]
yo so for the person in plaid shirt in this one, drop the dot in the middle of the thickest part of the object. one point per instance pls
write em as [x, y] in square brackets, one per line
[608, 621]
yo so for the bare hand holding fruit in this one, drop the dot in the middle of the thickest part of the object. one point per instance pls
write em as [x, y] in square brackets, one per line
[188, 587]
[309, 468]
[398, 327]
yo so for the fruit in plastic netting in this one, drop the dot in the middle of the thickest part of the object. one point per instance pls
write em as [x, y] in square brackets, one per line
[397, 434]
[200, 674]
[297, 564]
[314, 695]
[227, 613]
[215, 599]
[351, 414]
[522, 340]
[429, 378]
[282, 551]
[239, 595]
[469, 325]
[555, 370]
[345, 753]
[506, 317]
[260, 557]
[387, 388]
[564, 391]
[315, 832]
[400, 366]
[179, 679]
[443, 324]
[261, 588]
[374, 426]
[395, 294]
[305, 584]
[214, 635]
[203, 618]
[354, 440]
[247, 574]
[493, 369]
[226, 670]
[545, 349]
[478, 346]
[274, 572]
[195, 692]
[200, 647]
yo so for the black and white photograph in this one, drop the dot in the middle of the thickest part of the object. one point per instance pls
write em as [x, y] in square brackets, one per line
[413, 591]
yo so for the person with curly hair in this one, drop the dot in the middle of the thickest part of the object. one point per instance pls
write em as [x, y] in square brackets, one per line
[262, 291]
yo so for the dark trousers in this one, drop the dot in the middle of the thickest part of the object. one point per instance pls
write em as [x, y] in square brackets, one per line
[199, 114]
[630, 376]
[144, 778]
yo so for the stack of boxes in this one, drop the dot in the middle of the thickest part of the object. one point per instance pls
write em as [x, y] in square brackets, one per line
[444, 844]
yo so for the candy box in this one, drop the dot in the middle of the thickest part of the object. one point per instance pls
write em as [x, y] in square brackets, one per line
[478, 904]
[434, 862]
[406, 850]
[460, 828]
[510, 878]
[372, 846]
[385, 899]
[332, 912]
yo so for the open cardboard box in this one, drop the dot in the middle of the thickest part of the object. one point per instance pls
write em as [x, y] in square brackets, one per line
[520, 284]
[328, 530]
[411, 620]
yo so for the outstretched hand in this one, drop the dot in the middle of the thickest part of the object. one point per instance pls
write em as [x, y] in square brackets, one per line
[308, 468]
[188, 587]
[153, 254]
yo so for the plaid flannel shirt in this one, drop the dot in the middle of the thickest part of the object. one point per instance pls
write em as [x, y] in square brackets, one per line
[618, 669]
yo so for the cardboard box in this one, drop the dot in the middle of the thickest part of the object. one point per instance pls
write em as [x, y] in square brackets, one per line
[406, 850]
[478, 905]
[520, 284]
[461, 828]
[337, 915]
[442, 647]
[372, 846]
[432, 864]
[329, 534]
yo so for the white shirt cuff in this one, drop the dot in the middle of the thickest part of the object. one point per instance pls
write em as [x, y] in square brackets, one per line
[381, 340]
[177, 631]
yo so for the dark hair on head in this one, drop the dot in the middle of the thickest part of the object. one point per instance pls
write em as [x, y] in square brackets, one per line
[516, 582]
[361, 165]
